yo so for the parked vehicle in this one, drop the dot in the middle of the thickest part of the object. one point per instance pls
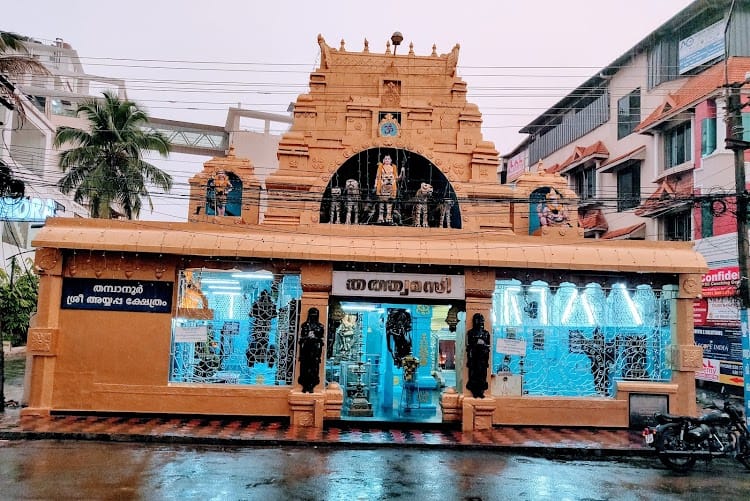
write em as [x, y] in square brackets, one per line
[681, 440]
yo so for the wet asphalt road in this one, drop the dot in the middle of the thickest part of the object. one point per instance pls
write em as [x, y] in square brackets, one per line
[99, 470]
[42, 470]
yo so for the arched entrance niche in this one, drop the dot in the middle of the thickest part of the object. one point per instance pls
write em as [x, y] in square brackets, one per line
[363, 166]
[233, 206]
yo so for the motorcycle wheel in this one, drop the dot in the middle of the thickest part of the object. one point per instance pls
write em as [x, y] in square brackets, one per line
[671, 442]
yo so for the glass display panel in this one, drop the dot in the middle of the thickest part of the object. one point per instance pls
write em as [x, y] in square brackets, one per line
[235, 328]
[578, 340]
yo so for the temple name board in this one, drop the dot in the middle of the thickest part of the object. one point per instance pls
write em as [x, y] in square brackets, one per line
[398, 285]
[117, 295]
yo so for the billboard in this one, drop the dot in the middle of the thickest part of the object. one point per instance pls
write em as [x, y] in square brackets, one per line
[701, 47]
[716, 316]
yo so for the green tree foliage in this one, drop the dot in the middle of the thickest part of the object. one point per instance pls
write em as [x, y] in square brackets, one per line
[15, 61]
[19, 290]
[105, 168]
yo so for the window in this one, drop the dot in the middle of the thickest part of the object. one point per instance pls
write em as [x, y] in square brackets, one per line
[628, 113]
[746, 126]
[584, 183]
[629, 187]
[708, 136]
[663, 61]
[677, 226]
[677, 149]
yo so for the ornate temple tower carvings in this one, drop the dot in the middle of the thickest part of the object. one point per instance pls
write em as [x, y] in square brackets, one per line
[365, 106]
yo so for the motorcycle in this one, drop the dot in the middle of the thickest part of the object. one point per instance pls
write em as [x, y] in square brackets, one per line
[681, 440]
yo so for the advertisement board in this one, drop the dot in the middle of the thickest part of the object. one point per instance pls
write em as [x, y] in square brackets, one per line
[701, 47]
[716, 316]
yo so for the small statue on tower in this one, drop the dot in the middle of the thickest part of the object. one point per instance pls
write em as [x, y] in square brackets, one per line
[222, 186]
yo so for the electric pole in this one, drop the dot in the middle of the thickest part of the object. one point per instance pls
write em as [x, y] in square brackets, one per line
[735, 142]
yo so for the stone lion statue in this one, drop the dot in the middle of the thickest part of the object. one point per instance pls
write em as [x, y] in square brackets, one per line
[351, 193]
[335, 212]
[421, 199]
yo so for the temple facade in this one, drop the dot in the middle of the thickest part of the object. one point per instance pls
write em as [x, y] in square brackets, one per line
[380, 274]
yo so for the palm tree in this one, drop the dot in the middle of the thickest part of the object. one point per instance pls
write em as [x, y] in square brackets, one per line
[14, 61]
[105, 167]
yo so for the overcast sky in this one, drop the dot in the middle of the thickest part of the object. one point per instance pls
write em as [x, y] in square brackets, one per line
[191, 60]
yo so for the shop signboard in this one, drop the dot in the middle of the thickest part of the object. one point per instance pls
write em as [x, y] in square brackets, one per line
[27, 209]
[701, 47]
[716, 316]
[720, 343]
[722, 352]
[721, 282]
[516, 166]
[117, 295]
[398, 285]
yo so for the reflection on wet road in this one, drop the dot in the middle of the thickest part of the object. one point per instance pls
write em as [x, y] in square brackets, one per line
[97, 470]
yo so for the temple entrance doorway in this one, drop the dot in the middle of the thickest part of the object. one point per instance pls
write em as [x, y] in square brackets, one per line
[392, 360]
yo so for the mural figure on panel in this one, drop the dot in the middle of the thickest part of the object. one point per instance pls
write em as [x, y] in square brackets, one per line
[477, 356]
[310, 351]
[334, 322]
[346, 337]
[260, 348]
[398, 334]
[602, 356]
[193, 297]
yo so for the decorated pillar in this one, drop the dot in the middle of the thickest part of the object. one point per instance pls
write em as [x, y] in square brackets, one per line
[309, 407]
[687, 358]
[478, 406]
[43, 336]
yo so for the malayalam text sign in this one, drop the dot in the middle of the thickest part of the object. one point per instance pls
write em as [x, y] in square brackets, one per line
[117, 295]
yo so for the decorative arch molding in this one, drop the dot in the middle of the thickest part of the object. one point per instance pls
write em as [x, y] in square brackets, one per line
[440, 208]
[328, 168]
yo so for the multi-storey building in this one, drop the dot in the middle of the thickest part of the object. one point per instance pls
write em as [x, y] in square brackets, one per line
[642, 143]
[48, 101]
